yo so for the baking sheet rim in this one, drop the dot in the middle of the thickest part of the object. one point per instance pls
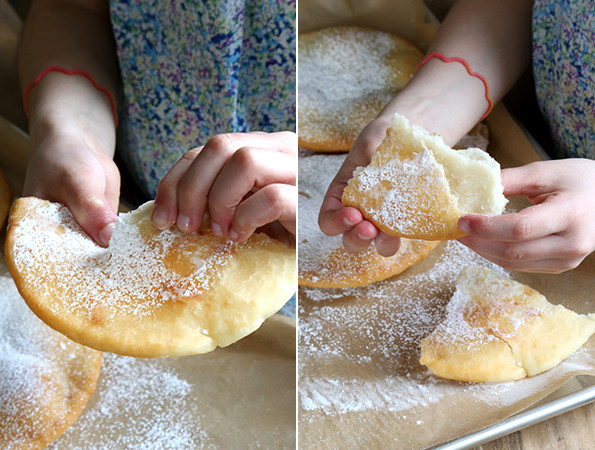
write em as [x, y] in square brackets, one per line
[531, 416]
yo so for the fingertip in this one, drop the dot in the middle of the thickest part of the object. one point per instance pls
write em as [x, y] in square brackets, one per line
[216, 229]
[464, 225]
[469, 223]
[160, 217]
[366, 230]
[352, 216]
[353, 242]
[239, 235]
[96, 217]
[387, 245]
[338, 221]
[105, 234]
[221, 224]
[360, 237]
[184, 223]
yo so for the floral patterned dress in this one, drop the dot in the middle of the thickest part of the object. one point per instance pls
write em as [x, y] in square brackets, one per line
[193, 69]
[564, 71]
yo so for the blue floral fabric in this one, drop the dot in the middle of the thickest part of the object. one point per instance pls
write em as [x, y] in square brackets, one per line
[564, 70]
[193, 69]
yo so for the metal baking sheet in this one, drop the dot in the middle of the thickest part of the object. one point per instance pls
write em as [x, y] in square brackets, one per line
[581, 392]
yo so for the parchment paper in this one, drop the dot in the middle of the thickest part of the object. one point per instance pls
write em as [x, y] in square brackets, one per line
[360, 382]
[242, 396]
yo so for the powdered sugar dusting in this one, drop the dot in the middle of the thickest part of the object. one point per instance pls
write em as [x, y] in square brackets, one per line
[377, 329]
[35, 383]
[141, 404]
[393, 193]
[350, 63]
[346, 76]
[315, 173]
[131, 276]
[455, 327]
[338, 396]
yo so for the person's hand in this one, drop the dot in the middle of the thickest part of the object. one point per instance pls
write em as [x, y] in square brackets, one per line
[245, 181]
[76, 172]
[336, 218]
[555, 234]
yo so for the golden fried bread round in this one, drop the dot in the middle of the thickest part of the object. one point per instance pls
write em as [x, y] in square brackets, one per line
[150, 293]
[418, 187]
[323, 260]
[45, 378]
[347, 75]
[497, 329]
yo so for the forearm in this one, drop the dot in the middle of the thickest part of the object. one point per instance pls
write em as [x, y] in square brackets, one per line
[64, 34]
[494, 37]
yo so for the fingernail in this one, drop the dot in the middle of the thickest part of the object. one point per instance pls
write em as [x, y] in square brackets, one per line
[364, 238]
[233, 234]
[106, 233]
[348, 222]
[160, 219]
[183, 222]
[464, 226]
[216, 229]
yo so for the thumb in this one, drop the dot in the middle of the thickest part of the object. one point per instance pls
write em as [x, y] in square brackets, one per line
[95, 215]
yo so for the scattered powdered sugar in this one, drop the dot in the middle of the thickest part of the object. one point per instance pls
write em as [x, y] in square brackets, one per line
[140, 404]
[26, 397]
[130, 276]
[394, 190]
[315, 173]
[35, 384]
[377, 329]
[339, 396]
[346, 65]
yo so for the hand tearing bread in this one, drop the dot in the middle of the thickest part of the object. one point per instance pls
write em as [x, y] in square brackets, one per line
[497, 329]
[150, 293]
[323, 261]
[418, 187]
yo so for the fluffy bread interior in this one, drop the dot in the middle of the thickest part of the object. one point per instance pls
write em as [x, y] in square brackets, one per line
[472, 175]
[418, 187]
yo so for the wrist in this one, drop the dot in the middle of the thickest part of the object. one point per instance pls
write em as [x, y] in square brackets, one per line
[62, 106]
[443, 99]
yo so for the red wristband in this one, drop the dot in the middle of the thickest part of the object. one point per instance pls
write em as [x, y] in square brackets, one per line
[469, 71]
[88, 76]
